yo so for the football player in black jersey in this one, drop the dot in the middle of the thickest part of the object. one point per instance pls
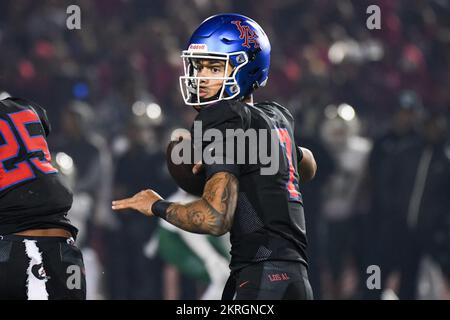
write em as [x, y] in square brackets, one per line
[38, 258]
[227, 59]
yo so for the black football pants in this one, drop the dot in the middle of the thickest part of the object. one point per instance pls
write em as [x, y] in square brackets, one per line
[269, 280]
[41, 268]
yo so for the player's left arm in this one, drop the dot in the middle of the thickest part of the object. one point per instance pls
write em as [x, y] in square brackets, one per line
[212, 214]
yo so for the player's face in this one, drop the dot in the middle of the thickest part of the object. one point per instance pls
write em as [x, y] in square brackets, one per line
[211, 69]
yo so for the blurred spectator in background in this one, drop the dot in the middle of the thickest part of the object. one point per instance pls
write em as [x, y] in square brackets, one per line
[80, 154]
[341, 133]
[141, 164]
[385, 223]
[308, 135]
[79, 142]
[426, 167]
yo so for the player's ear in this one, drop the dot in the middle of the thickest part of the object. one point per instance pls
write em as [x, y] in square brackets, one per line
[230, 67]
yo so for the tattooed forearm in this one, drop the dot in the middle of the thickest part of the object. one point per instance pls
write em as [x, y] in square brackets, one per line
[213, 213]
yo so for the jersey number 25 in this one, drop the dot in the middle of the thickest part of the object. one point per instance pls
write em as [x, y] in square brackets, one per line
[10, 149]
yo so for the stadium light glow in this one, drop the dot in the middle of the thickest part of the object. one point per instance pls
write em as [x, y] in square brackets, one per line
[65, 163]
[138, 108]
[336, 53]
[346, 112]
[153, 111]
[331, 111]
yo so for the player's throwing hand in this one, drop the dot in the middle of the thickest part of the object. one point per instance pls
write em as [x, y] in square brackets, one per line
[142, 202]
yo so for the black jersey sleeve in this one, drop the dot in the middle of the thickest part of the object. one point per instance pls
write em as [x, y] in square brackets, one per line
[220, 116]
[41, 112]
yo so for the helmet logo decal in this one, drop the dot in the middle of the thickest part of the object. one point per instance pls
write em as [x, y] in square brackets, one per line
[247, 34]
[201, 47]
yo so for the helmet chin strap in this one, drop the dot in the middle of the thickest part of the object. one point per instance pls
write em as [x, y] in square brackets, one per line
[197, 108]
[248, 99]
[214, 97]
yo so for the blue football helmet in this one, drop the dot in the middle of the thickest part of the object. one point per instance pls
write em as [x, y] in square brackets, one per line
[238, 41]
